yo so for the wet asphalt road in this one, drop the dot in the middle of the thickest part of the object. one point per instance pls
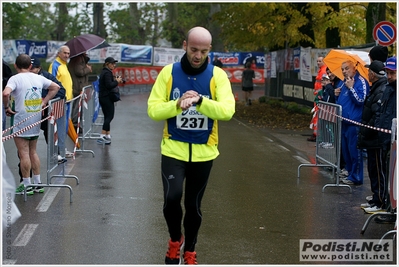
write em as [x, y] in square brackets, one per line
[255, 209]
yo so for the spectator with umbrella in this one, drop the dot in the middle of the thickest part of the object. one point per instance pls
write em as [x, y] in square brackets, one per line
[351, 97]
[85, 42]
[79, 70]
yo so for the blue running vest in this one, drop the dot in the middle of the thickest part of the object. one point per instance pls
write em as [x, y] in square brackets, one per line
[190, 126]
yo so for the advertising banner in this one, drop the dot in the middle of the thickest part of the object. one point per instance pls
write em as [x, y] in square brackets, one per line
[52, 49]
[138, 75]
[305, 65]
[288, 59]
[148, 75]
[235, 75]
[259, 58]
[138, 54]
[273, 68]
[297, 59]
[9, 51]
[228, 59]
[235, 59]
[99, 55]
[164, 56]
[268, 65]
[37, 49]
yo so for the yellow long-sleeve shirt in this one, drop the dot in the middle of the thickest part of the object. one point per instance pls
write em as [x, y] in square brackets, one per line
[220, 107]
[59, 69]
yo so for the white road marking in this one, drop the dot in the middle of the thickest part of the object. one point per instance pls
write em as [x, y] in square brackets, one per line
[284, 148]
[301, 160]
[25, 235]
[47, 199]
[9, 262]
[52, 192]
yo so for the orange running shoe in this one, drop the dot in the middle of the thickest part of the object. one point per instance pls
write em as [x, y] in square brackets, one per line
[173, 253]
[190, 257]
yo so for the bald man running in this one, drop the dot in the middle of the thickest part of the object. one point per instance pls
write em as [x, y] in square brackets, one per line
[191, 96]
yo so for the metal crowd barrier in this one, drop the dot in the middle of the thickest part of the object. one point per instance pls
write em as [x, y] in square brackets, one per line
[85, 113]
[57, 110]
[95, 110]
[328, 141]
[391, 184]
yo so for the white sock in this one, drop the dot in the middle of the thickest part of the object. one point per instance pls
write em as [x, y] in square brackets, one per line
[36, 179]
[108, 136]
[26, 181]
[102, 135]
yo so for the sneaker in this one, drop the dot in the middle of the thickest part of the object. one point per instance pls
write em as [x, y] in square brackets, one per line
[366, 205]
[190, 257]
[38, 189]
[328, 146]
[173, 253]
[29, 191]
[68, 154]
[373, 209]
[104, 140]
[385, 219]
[347, 181]
[61, 159]
[344, 173]
[20, 190]
[368, 198]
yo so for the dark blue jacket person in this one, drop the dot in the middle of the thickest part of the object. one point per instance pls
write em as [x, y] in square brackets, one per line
[36, 68]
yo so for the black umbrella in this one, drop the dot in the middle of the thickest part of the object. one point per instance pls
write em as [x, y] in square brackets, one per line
[83, 43]
[102, 45]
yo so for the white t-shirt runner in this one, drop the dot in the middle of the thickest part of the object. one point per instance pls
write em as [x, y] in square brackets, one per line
[27, 96]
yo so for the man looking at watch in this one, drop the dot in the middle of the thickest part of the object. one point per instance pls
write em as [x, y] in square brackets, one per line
[191, 96]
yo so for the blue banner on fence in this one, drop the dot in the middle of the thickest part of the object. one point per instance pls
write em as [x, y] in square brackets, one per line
[136, 54]
[37, 49]
[235, 59]
[96, 85]
[259, 58]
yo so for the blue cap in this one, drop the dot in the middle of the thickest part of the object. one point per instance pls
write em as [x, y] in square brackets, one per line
[391, 63]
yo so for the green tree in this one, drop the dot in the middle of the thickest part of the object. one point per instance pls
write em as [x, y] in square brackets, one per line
[98, 20]
[136, 23]
[332, 32]
[260, 26]
[253, 26]
[215, 29]
[61, 22]
[181, 17]
[18, 25]
[51, 21]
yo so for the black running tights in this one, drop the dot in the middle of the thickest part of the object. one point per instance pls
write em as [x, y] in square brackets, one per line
[173, 174]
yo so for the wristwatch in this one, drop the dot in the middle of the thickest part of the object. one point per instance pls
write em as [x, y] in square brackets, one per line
[200, 100]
